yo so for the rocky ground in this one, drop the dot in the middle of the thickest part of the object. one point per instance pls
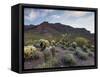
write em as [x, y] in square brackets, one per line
[31, 64]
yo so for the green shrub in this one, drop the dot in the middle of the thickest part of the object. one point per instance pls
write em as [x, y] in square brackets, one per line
[81, 54]
[81, 41]
[68, 59]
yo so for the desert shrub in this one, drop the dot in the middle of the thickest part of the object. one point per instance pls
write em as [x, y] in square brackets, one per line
[53, 51]
[68, 59]
[62, 46]
[47, 54]
[28, 42]
[81, 41]
[29, 51]
[64, 39]
[36, 43]
[81, 54]
[85, 49]
[89, 45]
[88, 51]
[53, 62]
[71, 49]
[67, 44]
[91, 54]
[36, 55]
[57, 43]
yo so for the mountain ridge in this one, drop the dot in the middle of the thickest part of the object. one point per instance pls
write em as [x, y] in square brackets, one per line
[53, 29]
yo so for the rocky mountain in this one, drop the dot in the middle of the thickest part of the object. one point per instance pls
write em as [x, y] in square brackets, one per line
[53, 29]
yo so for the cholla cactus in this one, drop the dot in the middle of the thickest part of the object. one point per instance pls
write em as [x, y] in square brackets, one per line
[74, 44]
[44, 43]
[64, 35]
[53, 43]
[65, 39]
[92, 48]
[29, 51]
[53, 50]
[47, 54]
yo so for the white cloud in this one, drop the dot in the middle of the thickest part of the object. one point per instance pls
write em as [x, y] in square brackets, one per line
[86, 22]
[31, 15]
[48, 11]
[75, 13]
[55, 16]
[78, 13]
[45, 12]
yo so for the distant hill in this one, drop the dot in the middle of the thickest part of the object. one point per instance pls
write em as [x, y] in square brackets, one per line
[50, 29]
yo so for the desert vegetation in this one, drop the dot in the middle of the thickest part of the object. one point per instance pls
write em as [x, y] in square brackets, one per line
[59, 52]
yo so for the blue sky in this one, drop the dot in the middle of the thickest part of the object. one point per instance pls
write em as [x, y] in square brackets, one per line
[78, 19]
